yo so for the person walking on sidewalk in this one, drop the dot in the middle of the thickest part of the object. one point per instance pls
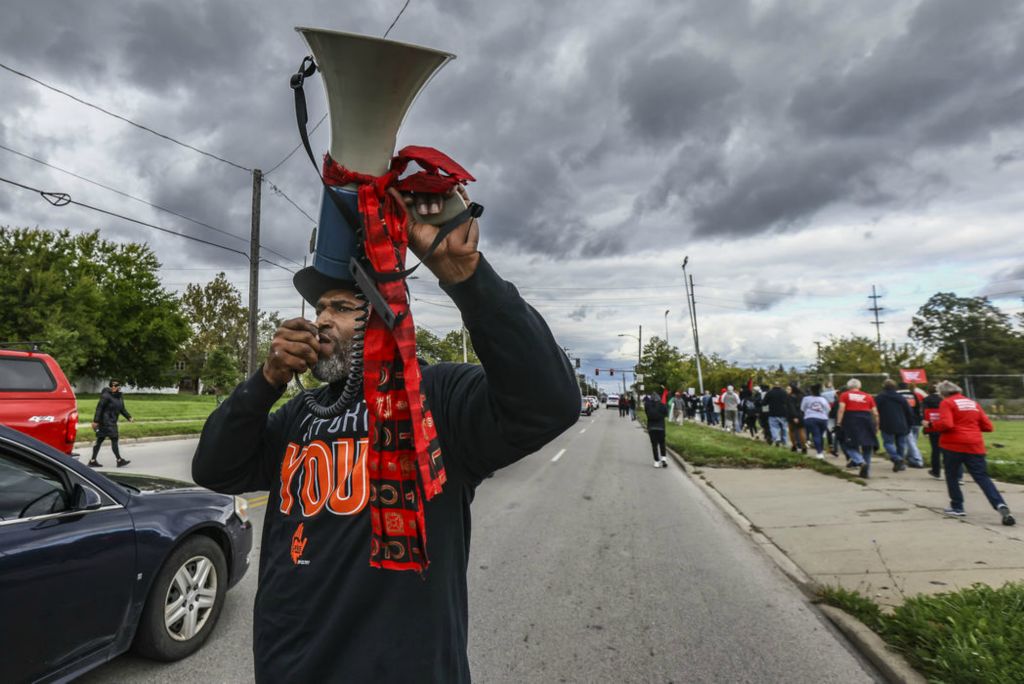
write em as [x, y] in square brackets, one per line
[631, 402]
[678, 405]
[858, 418]
[913, 396]
[623, 406]
[960, 424]
[777, 402]
[930, 414]
[104, 422]
[894, 420]
[731, 406]
[797, 431]
[656, 413]
[815, 410]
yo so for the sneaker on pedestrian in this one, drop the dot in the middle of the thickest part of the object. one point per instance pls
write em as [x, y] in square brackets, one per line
[664, 463]
[954, 512]
[1008, 518]
[863, 471]
[657, 464]
[937, 476]
[916, 465]
[898, 466]
[95, 464]
[123, 462]
[852, 464]
[820, 456]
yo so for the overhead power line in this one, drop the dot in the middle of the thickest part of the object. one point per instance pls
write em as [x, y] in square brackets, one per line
[125, 119]
[60, 199]
[139, 199]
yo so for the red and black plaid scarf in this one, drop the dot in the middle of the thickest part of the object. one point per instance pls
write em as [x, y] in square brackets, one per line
[404, 458]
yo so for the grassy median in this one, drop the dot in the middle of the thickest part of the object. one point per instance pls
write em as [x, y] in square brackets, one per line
[705, 446]
[155, 414]
[701, 445]
[972, 636]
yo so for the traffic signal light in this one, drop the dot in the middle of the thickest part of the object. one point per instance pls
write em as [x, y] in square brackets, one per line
[597, 371]
[611, 371]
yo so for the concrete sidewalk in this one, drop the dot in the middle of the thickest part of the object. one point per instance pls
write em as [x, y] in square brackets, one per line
[889, 539]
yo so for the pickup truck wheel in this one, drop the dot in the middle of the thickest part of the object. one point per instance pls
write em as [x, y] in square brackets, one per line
[185, 601]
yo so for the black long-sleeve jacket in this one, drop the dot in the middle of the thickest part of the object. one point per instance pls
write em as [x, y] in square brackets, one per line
[322, 613]
[108, 408]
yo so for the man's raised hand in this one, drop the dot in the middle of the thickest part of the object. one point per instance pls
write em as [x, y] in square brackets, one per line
[456, 258]
[294, 349]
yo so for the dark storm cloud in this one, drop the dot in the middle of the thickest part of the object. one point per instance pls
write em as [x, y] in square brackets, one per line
[952, 76]
[766, 295]
[1005, 284]
[595, 130]
[578, 314]
[666, 96]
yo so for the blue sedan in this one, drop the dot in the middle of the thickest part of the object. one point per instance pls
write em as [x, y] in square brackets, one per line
[93, 564]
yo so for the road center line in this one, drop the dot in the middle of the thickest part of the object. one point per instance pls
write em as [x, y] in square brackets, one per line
[558, 455]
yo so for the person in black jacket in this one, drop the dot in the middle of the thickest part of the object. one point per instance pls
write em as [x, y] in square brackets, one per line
[322, 613]
[797, 431]
[777, 402]
[104, 422]
[656, 413]
[894, 421]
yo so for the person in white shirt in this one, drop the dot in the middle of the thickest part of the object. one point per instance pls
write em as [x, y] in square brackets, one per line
[815, 409]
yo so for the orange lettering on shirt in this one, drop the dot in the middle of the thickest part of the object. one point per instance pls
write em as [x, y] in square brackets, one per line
[289, 466]
[318, 477]
[352, 491]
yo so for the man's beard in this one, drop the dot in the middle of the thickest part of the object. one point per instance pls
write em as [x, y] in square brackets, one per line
[336, 366]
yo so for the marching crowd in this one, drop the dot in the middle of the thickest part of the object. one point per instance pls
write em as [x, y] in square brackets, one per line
[849, 423]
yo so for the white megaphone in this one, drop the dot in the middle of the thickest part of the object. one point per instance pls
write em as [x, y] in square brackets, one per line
[370, 84]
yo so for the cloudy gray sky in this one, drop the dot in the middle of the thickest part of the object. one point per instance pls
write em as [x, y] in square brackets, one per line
[798, 152]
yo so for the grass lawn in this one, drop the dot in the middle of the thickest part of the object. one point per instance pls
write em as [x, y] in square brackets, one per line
[971, 636]
[1006, 450]
[154, 414]
[702, 446]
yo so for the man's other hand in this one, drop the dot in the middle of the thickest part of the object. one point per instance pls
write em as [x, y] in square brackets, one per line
[294, 349]
[456, 258]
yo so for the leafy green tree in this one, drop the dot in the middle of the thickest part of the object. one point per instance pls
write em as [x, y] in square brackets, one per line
[221, 371]
[216, 319]
[958, 328]
[98, 303]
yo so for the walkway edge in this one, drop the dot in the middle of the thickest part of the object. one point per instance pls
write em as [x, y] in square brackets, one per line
[138, 440]
[890, 664]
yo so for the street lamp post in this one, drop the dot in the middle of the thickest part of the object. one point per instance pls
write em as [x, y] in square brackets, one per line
[691, 305]
[666, 325]
[639, 350]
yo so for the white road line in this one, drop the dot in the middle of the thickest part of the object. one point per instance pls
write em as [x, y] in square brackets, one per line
[558, 455]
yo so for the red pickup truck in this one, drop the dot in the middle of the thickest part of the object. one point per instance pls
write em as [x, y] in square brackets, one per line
[36, 398]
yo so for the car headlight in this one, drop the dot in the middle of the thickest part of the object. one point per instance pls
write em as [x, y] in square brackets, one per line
[242, 509]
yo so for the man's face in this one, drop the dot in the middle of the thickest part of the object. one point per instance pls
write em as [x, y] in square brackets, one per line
[336, 313]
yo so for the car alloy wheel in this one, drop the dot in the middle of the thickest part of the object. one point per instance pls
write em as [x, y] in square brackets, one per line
[185, 601]
[190, 598]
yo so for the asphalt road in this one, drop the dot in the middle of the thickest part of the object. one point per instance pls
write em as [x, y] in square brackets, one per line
[587, 565]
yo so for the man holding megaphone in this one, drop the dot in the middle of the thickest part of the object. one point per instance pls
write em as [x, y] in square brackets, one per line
[365, 543]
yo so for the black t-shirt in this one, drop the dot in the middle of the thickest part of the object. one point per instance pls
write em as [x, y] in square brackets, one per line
[322, 613]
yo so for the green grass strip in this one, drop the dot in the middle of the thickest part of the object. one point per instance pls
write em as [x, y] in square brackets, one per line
[971, 636]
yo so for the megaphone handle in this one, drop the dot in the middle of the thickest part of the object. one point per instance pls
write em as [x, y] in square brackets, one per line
[453, 206]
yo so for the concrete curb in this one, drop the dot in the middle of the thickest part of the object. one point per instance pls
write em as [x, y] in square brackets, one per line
[138, 440]
[890, 664]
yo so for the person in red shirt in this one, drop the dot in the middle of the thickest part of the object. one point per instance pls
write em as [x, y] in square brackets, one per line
[858, 418]
[960, 424]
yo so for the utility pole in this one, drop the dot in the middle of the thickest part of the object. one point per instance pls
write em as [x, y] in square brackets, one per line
[874, 297]
[254, 269]
[465, 355]
[967, 361]
[696, 337]
[666, 326]
[303, 298]
[818, 345]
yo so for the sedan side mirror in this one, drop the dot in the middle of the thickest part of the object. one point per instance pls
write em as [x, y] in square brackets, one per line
[85, 498]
